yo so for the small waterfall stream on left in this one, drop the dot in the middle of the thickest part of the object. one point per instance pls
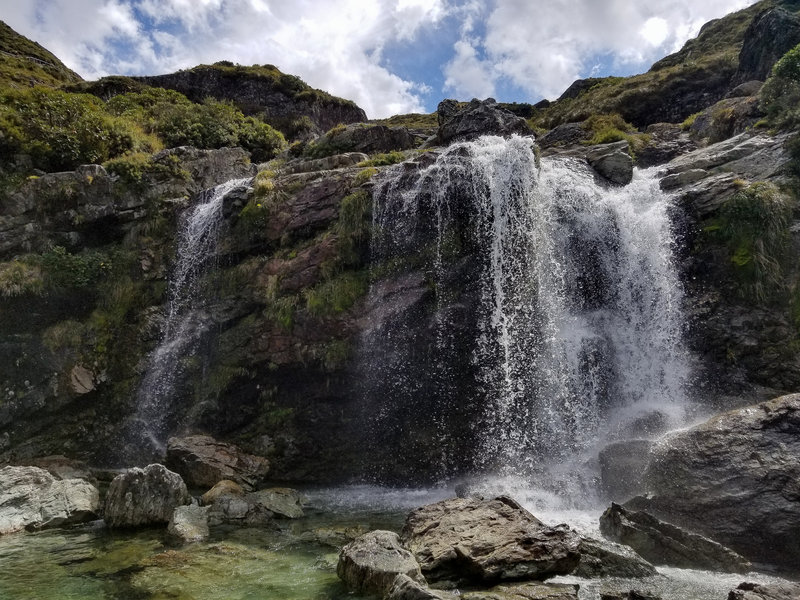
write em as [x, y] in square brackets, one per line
[185, 321]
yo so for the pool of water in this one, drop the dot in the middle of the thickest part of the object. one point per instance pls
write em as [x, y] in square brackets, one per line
[294, 561]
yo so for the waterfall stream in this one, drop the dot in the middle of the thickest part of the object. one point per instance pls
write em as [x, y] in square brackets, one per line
[576, 301]
[185, 321]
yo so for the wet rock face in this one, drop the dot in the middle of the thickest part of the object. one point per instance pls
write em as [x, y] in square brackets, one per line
[370, 563]
[31, 498]
[203, 461]
[769, 36]
[141, 497]
[612, 161]
[474, 541]
[735, 478]
[756, 591]
[601, 558]
[665, 544]
[476, 119]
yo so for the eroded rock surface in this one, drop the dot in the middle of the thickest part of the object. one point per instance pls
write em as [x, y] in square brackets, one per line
[146, 496]
[31, 498]
[756, 591]
[457, 123]
[370, 563]
[469, 540]
[203, 461]
[665, 544]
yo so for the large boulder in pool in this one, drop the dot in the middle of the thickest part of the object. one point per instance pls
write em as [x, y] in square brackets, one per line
[146, 496]
[471, 541]
[31, 498]
[665, 544]
[203, 461]
[370, 563]
[735, 479]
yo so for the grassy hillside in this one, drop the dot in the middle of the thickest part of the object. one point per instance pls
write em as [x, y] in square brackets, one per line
[24, 63]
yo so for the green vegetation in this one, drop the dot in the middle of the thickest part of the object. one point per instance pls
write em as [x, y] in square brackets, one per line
[133, 167]
[336, 295]
[364, 176]
[19, 278]
[606, 129]
[689, 121]
[411, 120]
[24, 63]
[754, 227]
[333, 142]
[61, 131]
[382, 160]
[353, 225]
[780, 96]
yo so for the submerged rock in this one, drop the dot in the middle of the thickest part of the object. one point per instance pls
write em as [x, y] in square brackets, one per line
[665, 544]
[370, 564]
[144, 497]
[473, 541]
[31, 498]
[281, 502]
[229, 504]
[406, 588]
[773, 591]
[486, 117]
[203, 461]
[189, 523]
[601, 558]
[527, 591]
[735, 478]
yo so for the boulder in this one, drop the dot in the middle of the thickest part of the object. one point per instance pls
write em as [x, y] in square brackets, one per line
[461, 123]
[666, 544]
[527, 591]
[474, 541]
[144, 497]
[725, 119]
[772, 591]
[370, 139]
[612, 161]
[230, 505]
[226, 487]
[622, 467]
[601, 558]
[666, 141]
[189, 523]
[370, 564]
[735, 478]
[203, 461]
[566, 134]
[31, 498]
[61, 467]
[405, 588]
[768, 37]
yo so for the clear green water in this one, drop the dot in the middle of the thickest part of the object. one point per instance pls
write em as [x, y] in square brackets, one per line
[296, 560]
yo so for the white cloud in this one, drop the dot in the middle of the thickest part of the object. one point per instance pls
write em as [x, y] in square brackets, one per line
[542, 48]
[338, 45]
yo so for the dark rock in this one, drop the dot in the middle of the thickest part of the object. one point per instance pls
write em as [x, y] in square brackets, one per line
[768, 37]
[735, 478]
[579, 86]
[748, 88]
[612, 161]
[566, 134]
[405, 588]
[527, 591]
[203, 461]
[468, 540]
[144, 497]
[631, 595]
[772, 591]
[189, 523]
[665, 544]
[371, 139]
[476, 119]
[231, 506]
[725, 119]
[622, 467]
[31, 498]
[600, 558]
[370, 564]
[255, 94]
[61, 467]
[667, 140]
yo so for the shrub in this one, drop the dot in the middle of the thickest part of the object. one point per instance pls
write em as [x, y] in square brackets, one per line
[780, 95]
[18, 278]
[336, 295]
[364, 176]
[383, 160]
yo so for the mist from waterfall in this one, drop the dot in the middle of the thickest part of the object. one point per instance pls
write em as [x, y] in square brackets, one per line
[578, 338]
[185, 321]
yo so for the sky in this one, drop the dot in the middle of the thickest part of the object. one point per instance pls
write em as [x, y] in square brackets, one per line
[389, 56]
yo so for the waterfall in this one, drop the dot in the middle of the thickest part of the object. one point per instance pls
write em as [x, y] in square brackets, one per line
[185, 321]
[573, 300]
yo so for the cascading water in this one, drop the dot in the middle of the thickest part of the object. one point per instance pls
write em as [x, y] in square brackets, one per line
[577, 320]
[185, 322]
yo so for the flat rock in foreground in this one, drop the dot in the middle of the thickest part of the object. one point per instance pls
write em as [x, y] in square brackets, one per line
[473, 541]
